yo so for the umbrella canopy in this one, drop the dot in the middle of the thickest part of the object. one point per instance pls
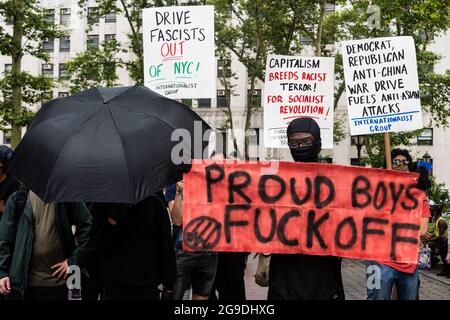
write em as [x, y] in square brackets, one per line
[105, 145]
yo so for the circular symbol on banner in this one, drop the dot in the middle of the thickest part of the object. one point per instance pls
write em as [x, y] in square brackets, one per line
[202, 233]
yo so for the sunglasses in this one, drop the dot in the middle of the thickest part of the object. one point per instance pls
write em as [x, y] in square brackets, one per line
[299, 144]
[397, 163]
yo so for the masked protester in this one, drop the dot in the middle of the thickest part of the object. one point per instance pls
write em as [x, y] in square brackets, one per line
[300, 276]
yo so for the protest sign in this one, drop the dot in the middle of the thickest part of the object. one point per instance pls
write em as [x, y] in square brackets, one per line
[309, 208]
[381, 85]
[179, 60]
[297, 87]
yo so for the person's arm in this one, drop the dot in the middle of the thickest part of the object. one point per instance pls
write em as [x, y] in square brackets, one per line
[423, 226]
[424, 219]
[176, 206]
[8, 231]
[167, 262]
[83, 223]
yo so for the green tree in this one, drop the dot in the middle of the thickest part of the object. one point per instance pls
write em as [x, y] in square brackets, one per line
[132, 11]
[257, 28]
[423, 20]
[253, 29]
[20, 89]
[95, 67]
[439, 194]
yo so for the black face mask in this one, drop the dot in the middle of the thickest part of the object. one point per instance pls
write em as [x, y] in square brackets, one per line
[307, 154]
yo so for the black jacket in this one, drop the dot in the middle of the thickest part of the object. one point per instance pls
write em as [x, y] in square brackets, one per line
[305, 277]
[137, 251]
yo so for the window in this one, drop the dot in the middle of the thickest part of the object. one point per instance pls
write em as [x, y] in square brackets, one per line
[426, 95]
[223, 67]
[10, 21]
[64, 44]
[64, 16]
[110, 17]
[92, 75]
[49, 16]
[204, 103]
[62, 94]
[330, 7]
[7, 137]
[110, 37]
[187, 102]
[222, 97]
[221, 138]
[256, 97]
[253, 144]
[425, 138]
[92, 15]
[47, 70]
[304, 39]
[109, 68]
[424, 35]
[63, 71]
[92, 41]
[48, 45]
[8, 68]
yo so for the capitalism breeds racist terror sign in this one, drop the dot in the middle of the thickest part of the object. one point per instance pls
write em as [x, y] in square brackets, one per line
[382, 86]
[298, 87]
[179, 59]
[316, 209]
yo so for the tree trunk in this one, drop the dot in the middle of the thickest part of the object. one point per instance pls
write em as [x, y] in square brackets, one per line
[248, 116]
[319, 29]
[230, 120]
[338, 94]
[16, 55]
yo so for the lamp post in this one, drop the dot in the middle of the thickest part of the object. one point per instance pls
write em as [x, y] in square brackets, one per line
[359, 142]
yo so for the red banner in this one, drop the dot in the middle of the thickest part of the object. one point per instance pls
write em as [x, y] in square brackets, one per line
[310, 208]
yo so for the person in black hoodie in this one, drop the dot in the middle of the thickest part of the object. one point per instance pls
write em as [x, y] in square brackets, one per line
[133, 245]
[300, 276]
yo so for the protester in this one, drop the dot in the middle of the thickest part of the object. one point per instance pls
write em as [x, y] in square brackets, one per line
[134, 246]
[8, 184]
[404, 276]
[300, 276]
[229, 282]
[194, 269]
[34, 264]
[439, 239]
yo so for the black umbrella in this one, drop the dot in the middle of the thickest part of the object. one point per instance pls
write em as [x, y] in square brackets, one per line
[106, 145]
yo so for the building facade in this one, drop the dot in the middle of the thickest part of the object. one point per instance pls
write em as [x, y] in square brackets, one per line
[434, 141]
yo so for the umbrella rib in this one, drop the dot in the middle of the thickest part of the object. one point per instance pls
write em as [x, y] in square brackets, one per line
[122, 93]
[124, 153]
[54, 165]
